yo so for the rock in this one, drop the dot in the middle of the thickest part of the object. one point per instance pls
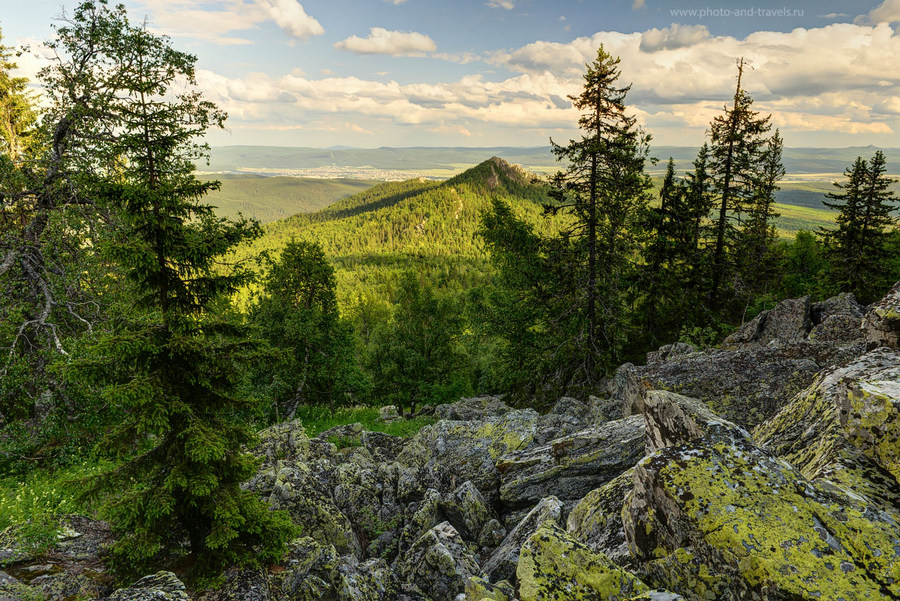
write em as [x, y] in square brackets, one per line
[286, 441]
[571, 466]
[471, 409]
[626, 391]
[566, 417]
[845, 428]
[789, 320]
[837, 320]
[881, 325]
[596, 521]
[439, 564]
[309, 572]
[383, 447]
[343, 435]
[470, 514]
[479, 589]
[673, 419]
[467, 450]
[389, 414]
[242, 585]
[501, 565]
[372, 580]
[12, 589]
[554, 566]
[162, 586]
[670, 351]
[729, 521]
[63, 586]
[292, 487]
[746, 384]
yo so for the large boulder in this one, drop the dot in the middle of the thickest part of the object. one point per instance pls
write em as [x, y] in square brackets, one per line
[162, 586]
[837, 320]
[789, 320]
[474, 408]
[468, 450]
[554, 566]
[881, 325]
[596, 521]
[501, 565]
[845, 428]
[674, 419]
[748, 383]
[438, 564]
[729, 521]
[571, 466]
[286, 441]
[294, 488]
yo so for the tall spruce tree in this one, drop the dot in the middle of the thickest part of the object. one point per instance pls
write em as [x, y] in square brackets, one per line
[169, 365]
[605, 191]
[737, 139]
[757, 261]
[857, 249]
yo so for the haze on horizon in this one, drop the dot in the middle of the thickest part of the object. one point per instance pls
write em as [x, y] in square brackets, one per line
[482, 73]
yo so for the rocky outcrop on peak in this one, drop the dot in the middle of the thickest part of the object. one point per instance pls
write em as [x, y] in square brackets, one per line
[881, 324]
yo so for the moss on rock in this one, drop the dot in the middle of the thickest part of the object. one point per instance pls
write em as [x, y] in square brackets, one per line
[553, 566]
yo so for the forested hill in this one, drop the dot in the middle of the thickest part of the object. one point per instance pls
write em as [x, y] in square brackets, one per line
[374, 235]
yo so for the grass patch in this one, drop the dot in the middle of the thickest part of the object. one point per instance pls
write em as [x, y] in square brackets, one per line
[31, 506]
[319, 419]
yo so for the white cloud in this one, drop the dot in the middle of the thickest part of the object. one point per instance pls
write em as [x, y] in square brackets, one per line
[887, 12]
[674, 36]
[507, 4]
[638, 4]
[394, 43]
[292, 18]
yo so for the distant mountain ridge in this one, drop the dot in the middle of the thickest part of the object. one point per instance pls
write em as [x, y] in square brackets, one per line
[446, 161]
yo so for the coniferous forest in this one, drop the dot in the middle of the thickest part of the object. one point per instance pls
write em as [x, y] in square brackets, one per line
[146, 341]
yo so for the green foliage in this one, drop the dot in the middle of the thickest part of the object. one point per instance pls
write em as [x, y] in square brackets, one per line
[297, 313]
[417, 357]
[31, 505]
[171, 367]
[858, 248]
[317, 419]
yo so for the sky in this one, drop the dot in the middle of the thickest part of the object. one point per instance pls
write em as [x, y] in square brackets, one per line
[372, 73]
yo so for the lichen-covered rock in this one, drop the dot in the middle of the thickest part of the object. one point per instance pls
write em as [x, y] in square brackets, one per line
[501, 565]
[479, 589]
[292, 487]
[596, 521]
[469, 512]
[571, 466]
[566, 417]
[553, 566]
[346, 434]
[286, 441]
[747, 384]
[670, 351]
[438, 564]
[11, 589]
[837, 320]
[308, 572]
[845, 427]
[673, 419]
[63, 586]
[389, 414]
[789, 320]
[881, 325]
[468, 450]
[383, 447]
[475, 408]
[162, 586]
[728, 521]
[372, 580]
[625, 391]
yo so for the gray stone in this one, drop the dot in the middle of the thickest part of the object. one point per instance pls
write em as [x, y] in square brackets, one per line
[571, 466]
[162, 586]
[501, 565]
[881, 325]
[438, 564]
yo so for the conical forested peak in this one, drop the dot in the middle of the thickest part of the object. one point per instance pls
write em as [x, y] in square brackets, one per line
[495, 175]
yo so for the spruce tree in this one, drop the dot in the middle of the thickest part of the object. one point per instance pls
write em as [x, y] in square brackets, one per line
[757, 261]
[736, 144]
[169, 365]
[604, 191]
[297, 313]
[858, 247]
